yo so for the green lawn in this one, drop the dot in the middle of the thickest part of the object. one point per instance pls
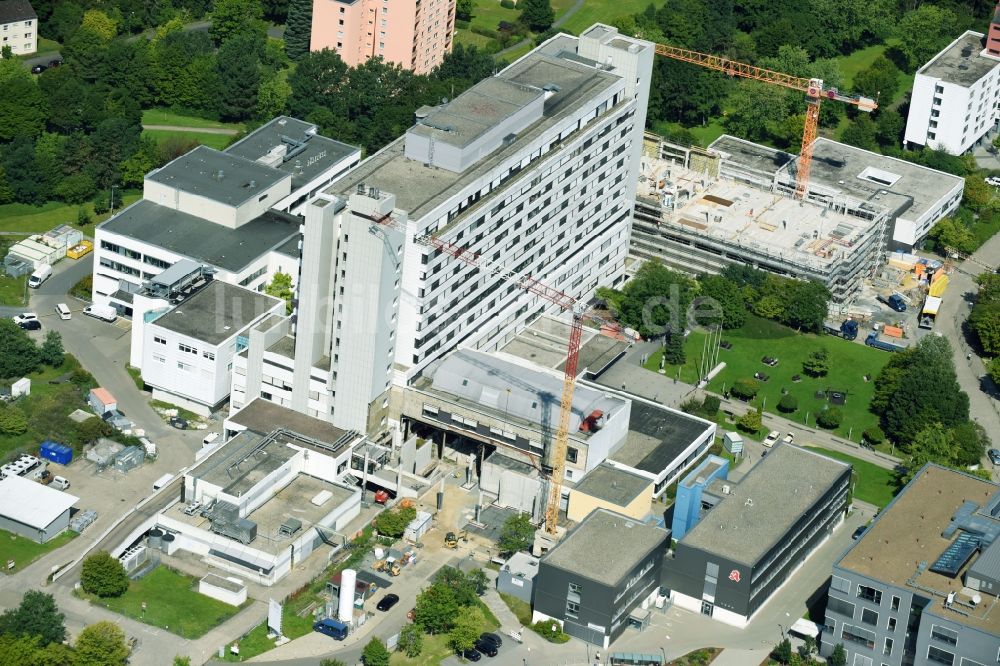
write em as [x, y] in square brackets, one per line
[217, 141]
[849, 362]
[172, 603]
[703, 134]
[858, 60]
[256, 641]
[24, 551]
[13, 290]
[872, 484]
[168, 117]
[436, 648]
[39, 219]
[481, 42]
[605, 11]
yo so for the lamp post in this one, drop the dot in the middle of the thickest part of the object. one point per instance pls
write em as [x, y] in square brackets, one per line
[112, 202]
[782, 630]
[663, 653]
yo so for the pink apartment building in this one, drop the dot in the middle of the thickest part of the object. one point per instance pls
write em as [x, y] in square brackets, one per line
[413, 33]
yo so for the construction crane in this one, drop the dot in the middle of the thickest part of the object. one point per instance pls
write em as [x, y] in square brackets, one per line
[556, 468]
[813, 89]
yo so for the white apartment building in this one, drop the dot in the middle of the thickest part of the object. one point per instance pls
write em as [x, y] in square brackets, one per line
[955, 96]
[231, 211]
[534, 169]
[18, 26]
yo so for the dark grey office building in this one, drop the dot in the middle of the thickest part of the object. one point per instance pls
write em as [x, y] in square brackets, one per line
[921, 585]
[764, 526]
[600, 572]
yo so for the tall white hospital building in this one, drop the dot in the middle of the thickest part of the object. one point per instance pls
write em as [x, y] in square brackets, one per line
[534, 169]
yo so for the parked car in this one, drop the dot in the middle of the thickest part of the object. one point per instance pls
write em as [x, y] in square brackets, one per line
[771, 439]
[858, 532]
[994, 181]
[493, 638]
[788, 438]
[471, 655]
[994, 456]
[56, 62]
[31, 325]
[387, 602]
[38, 69]
[489, 648]
[63, 311]
[24, 316]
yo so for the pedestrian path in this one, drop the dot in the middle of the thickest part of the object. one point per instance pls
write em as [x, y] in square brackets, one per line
[737, 657]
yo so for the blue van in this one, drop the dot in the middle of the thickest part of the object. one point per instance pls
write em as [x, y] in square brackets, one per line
[332, 628]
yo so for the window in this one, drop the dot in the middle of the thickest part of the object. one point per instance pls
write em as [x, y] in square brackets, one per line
[209, 355]
[868, 616]
[887, 648]
[575, 588]
[840, 607]
[944, 635]
[940, 656]
[858, 635]
[572, 609]
[870, 594]
[571, 454]
[159, 359]
[891, 624]
[187, 348]
[184, 366]
[159, 340]
[968, 662]
[895, 603]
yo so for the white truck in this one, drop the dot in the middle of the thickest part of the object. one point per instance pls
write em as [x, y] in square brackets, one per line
[102, 312]
[42, 274]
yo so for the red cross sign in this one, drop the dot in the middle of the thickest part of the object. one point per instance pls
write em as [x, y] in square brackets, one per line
[734, 576]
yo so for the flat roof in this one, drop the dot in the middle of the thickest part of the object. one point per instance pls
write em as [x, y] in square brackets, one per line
[242, 462]
[612, 484]
[606, 546]
[657, 436]
[262, 416]
[196, 238]
[754, 155]
[220, 176]
[31, 503]
[290, 248]
[908, 533]
[544, 342]
[216, 312]
[419, 188]
[765, 504]
[962, 62]
[880, 181]
[746, 217]
[287, 135]
[522, 564]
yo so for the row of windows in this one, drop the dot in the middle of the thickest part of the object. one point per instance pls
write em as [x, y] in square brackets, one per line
[253, 276]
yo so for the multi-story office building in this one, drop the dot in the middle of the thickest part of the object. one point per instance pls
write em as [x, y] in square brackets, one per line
[921, 585]
[756, 533]
[593, 580]
[534, 169]
[415, 34]
[955, 95]
[18, 26]
[230, 211]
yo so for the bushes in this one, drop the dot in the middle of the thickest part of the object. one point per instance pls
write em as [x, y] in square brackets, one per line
[750, 422]
[873, 435]
[707, 408]
[745, 389]
[788, 403]
[830, 419]
[507, 4]
[550, 631]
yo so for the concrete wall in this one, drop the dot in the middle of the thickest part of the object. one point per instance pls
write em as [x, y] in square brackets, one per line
[581, 504]
[220, 213]
[223, 594]
[55, 528]
[516, 586]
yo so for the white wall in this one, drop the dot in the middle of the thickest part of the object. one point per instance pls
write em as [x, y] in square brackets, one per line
[20, 36]
[220, 213]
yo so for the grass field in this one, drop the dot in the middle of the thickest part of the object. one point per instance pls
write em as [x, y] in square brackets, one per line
[605, 11]
[849, 362]
[217, 141]
[168, 117]
[703, 134]
[13, 290]
[436, 648]
[24, 551]
[854, 62]
[39, 219]
[172, 603]
[257, 642]
[872, 484]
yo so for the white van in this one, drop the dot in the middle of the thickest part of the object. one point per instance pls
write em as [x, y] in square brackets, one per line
[60, 482]
[102, 312]
[39, 276]
[210, 438]
[63, 311]
[162, 481]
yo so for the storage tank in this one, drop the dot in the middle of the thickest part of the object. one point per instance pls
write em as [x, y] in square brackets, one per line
[168, 541]
[348, 581]
[155, 539]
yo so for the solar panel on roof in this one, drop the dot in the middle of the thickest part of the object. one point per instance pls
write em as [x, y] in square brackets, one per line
[956, 555]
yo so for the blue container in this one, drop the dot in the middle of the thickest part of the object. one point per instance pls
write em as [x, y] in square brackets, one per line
[57, 453]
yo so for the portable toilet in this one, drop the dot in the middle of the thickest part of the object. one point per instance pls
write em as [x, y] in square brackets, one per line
[56, 452]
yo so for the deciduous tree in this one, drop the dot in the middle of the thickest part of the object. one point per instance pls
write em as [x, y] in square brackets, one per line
[817, 363]
[18, 354]
[375, 653]
[237, 17]
[37, 615]
[411, 640]
[465, 632]
[103, 575]
[517, 534]
[101, 644]
[923, 31]
[393, 522]
[537, 14]
[436, 608]
[52, 353]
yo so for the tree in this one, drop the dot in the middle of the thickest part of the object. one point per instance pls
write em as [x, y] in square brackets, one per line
[673, 347]
[984, 320]
[879, 80]
[783, 651]
[52, 353]
[517, 534]
[873, 435]
[182, 661]
[436, 608]
[375, 653]
[969, 442]
[272, 97]
[806, 306]
[727, 296]
[236, 17]
[18, 354]
[393, 522]
[411, 640]
[466, 587]
[239, 76]
[830, 418]
[37, 615]
[281, 287]
[950, 233]
[817, 363]
[103, 575]
[838, 657]
[13, 421]
[751, 421]
[464, 9]
[316, 82]
[755, 109]
[465, 632]
[923, 31]
[101, 644]
[655, 300]
[298, 30]
[977, 194]
[994, 370]
[806, 649]
[745, 388]
[861, 133]
[537, 14]
[22, 110]
[930, 445]
[788, 403]
[331, 662]
[90, 430]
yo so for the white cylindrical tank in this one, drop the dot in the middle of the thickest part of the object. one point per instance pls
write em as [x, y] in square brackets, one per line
[345, 610]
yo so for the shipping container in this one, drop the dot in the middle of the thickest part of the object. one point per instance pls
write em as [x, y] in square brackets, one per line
[57, 453]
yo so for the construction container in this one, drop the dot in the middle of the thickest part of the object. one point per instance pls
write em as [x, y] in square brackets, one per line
[81, 249]
[101, 401]
[418, 527]
[57, 453]
[129, 458]
[63, 237]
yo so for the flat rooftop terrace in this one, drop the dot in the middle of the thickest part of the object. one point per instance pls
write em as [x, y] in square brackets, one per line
[656, 437]
[217, 312]
[545, 340]
[754, 155]
[606, 546]
[292, 501]
[908, 532]
[759, 511]
[219, 176]
[612, 484]
[962, 62]
[738, 214]
[428, 187]
[263, 416]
